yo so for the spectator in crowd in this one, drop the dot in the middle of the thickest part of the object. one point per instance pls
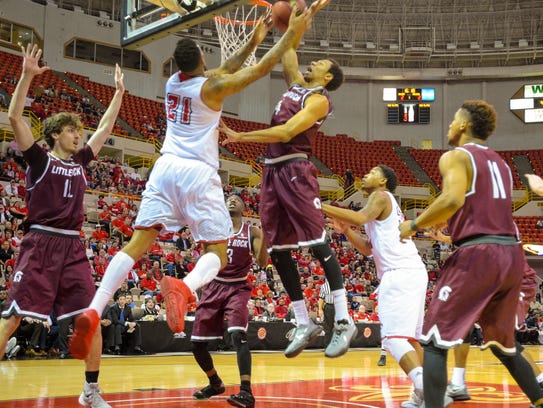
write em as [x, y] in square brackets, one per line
[127, 333]
[99, 234]
[149, 284]
[281, 309]
[269, 314]
[149, 309]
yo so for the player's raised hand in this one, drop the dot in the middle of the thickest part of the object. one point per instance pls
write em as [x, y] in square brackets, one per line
[265, 23]
[536, 183]
[318, 5]
[31, 62]
[231, 135]
[119, 78]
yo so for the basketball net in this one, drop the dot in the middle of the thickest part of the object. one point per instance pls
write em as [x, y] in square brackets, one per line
[236, 26]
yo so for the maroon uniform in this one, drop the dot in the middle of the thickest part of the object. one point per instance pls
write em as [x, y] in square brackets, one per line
[481, 280]
[290, 189]
[52, 270]
[227, 295]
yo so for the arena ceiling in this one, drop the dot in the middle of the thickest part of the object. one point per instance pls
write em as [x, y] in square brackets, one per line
[412, 34]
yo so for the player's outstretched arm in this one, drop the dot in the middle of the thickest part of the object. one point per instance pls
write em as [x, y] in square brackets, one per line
[235, 62]
[31, 68]
[453, 166]
[289, 60]
[220, 86]
[316, 108]
[357, 240]
[536, 183]
[108, 120]
[377, 202]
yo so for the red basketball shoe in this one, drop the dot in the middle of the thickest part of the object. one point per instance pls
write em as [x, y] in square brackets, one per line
[85, 327]
[177, 295]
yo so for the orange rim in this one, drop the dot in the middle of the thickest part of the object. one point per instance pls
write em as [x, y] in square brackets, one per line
[224, 20]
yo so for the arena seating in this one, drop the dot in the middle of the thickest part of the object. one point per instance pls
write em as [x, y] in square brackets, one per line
[528, 230]
[342, 152]
[428, 159]
[140, 113]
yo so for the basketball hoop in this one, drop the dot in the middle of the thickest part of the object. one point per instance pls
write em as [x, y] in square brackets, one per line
[236, 26]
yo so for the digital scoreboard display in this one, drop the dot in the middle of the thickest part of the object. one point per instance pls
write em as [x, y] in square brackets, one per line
[408, 105]
[415, 113]
[409, 94]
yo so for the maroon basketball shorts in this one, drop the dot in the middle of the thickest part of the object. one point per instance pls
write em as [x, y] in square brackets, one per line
[219, 302]
[479, 283]
[290, 206]
[52, 272]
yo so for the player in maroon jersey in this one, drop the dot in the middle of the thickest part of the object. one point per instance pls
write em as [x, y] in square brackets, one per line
[226, 297]
[52, 270]
[290, 205]
[476, 204]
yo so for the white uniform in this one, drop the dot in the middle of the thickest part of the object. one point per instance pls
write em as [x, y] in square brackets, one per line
[404, 279]
[184, 187]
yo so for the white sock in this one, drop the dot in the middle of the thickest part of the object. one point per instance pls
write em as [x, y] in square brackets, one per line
[539, 378]
[383, 352]
[205, 270]
[116, 273]
[340, 305]
[416, 376]
[459, 376]
[300, 312]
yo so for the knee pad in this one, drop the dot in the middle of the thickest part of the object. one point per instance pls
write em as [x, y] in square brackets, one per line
[397, 347]
[238, 338]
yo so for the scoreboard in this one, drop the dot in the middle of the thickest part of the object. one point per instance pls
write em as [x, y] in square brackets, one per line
[408, 105]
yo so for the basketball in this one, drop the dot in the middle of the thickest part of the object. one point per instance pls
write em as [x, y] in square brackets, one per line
[281, 10]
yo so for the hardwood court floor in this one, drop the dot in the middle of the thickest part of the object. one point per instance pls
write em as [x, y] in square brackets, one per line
[309, 380]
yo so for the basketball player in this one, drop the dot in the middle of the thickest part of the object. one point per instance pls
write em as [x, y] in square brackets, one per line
[457, 388]
[476, 204]
[290, 193]
[226, 297]
[184, 187]
[53, 272]
[402, 273]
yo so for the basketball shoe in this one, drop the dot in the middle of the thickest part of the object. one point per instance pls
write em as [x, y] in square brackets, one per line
[344, 331]
[382, 360]
[84, 328]
[416, 399]
[303, 335]
[458, 392]
[209, 391]
[243, 400]
[11, 348]
[177, 295]
[90, 397]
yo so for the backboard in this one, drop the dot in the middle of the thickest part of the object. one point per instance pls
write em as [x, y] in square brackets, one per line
[144, 21]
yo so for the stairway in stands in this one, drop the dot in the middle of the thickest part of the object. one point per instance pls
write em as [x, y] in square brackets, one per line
[414, 166]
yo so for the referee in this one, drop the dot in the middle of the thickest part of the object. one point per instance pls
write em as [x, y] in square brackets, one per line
[326, 311]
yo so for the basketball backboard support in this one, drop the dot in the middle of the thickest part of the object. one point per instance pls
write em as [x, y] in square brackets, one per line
[144, 21]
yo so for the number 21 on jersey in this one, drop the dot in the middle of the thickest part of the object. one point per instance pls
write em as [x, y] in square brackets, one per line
[179, 108]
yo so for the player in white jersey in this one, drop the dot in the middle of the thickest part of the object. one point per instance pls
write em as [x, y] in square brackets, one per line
[184, 187]
[403, 276]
